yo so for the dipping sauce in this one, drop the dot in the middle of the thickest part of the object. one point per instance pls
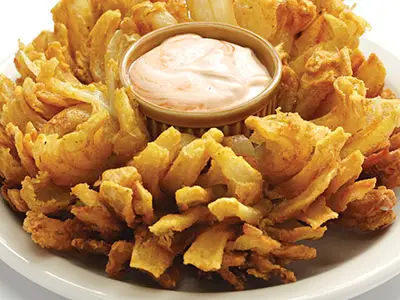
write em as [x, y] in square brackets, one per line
[191, 73]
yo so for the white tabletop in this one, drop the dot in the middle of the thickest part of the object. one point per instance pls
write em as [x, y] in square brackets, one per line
[24, 19]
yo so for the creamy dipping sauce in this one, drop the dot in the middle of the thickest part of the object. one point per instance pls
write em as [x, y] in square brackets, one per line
[191, 73]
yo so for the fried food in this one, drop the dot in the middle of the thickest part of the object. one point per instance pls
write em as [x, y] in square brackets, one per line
[327, 152]
[52, 233]
[148, 256]
[119, 199]
[79, 18]
[177, 223]
[86, 195]
[150, 16]
[190, 161]
[230, 207]
[243, 181]
[376, 119]
[118, 258]
[296, 234]
[317, 213]
[212, 11]
[264, 269]
[286, 143]
[98, 219]
[155, 160]
[132, 136]
[13, 197]
[179, 9]
[42, 195]
[91, 246]
[188, 197]
[254, 239]
[349, 193]
[101, 35]
[295, 252]
[207, 251]
[373, 212]
[76, 156]
[373, 73]
[257, 16]
[384, 165]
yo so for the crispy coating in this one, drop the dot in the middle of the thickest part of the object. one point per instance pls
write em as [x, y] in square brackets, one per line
[316, 77]
[87, 196]
[286, 144]
[190, 161]
[349, 170]
[373, 73]
[288, 89]
[254, 239]
[178, 242]
[7, 87]
[385, 166]
[230, 207]
[376, 119]
[120, 200]
[79, 18]
[289, 208]
[99, 219]
[171, 277]
[243, 181]
[132, 136]
[372, 212]
[42, 195]
[326, 150]
[13, 197]
[148, 255]
[101, 35]
[91, 246]
[52, 233]
[118, 258]
[151, 16]
[125, 176]
[295, 252]
[233, 259]
[78, 156]
[24, 154]
[317, 213]
[143, 203]
[10, 167]
[188, 197]
[179, 10]
[206, 253]
[179, 222]
[388, 94]
[264, 269]
[77, 159]
[257, 16]
[296, 234]
[19, 113]
[349, 193]
[67, 120]
[155, 160]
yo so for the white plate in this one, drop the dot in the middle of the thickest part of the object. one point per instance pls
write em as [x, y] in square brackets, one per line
[347, 265]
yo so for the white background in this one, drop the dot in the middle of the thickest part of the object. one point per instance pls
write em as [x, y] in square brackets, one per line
[24, 19]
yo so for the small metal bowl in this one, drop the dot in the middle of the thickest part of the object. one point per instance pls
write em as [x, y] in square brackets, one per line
[230, 121]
